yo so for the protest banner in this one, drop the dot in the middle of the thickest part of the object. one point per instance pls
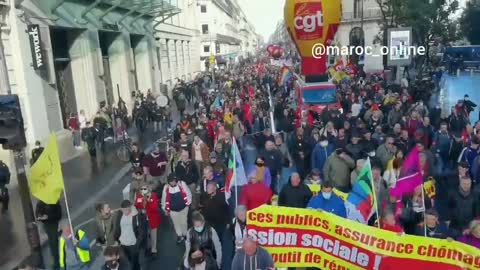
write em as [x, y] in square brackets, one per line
[311, 238]
[315, 189]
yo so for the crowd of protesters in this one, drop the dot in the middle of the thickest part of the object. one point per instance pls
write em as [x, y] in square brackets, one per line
[327, 147]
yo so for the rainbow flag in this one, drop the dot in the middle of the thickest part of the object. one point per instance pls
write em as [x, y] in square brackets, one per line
[236, 172]
[361, 202]
[410, 176]
[286, 75]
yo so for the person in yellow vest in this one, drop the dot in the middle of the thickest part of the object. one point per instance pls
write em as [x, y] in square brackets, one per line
[74, 250]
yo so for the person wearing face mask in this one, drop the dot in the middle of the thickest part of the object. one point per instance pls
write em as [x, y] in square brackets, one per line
[261, 173]
[113, 260]
[328, 201]
[176, 199]
[200, 259]
[36, 152]
[320, 154]
[147, 202]
[204, 236]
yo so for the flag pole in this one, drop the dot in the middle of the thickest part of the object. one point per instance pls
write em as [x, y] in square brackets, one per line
[424, 209]
[235, 173]
[374, 192]
[68, 211]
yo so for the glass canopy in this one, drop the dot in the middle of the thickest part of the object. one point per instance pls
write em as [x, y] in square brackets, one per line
[145, 7]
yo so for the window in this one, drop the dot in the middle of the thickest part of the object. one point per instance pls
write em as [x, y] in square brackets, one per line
[206, 48]
[203, 9]
[204, 28]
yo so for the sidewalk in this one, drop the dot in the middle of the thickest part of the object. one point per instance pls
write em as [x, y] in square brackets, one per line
[82, 178]
[86, 183]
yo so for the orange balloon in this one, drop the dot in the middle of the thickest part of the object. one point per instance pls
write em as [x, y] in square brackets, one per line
[310, 22]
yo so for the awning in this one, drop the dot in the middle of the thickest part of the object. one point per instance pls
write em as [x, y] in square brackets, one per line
[145, 7]
[153, 9]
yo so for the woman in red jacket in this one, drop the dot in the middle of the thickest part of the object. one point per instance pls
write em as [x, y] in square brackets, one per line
[255, 194]
[148, 203]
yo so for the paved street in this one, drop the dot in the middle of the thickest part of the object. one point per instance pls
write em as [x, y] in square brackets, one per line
[86, 183]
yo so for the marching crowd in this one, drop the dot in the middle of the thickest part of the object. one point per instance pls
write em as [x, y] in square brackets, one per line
[188, 185]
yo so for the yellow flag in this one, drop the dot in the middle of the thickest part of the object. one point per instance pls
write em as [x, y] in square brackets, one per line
[46, 178]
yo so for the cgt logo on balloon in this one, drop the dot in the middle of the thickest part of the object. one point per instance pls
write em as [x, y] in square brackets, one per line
[311, 22]
[308, 20]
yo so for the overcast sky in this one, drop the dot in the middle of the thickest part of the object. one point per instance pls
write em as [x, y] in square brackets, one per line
[264, 14]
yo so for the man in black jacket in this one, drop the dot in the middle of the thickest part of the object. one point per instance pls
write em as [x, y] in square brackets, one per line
[50, 215]
[295, 193]
[187, 171]
[463, 206]
[131, 232]
[274, 161]
[215, 209]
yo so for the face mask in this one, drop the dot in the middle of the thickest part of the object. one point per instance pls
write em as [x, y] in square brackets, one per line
[326, 195]
[198, 229]
[111, 264]
[324, 143]
[144, 192]
[198, 260]
[260, 164]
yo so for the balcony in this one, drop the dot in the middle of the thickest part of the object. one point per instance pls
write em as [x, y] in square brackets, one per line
[368, 15]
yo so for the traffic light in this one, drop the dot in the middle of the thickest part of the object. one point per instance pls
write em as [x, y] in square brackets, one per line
[12, 132]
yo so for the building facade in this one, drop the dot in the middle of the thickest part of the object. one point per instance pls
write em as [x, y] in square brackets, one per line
[67, 56]
[225, 32]
[360, 18]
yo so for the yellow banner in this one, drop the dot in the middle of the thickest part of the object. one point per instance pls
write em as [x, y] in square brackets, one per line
[315, 189]
[46, 178]
[311, 238]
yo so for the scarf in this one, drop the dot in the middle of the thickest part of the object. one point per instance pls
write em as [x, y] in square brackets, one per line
[167, 198]
[260, 175]
[240, 230]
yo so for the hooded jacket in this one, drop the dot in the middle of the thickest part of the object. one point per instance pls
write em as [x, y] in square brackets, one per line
[261, 260]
